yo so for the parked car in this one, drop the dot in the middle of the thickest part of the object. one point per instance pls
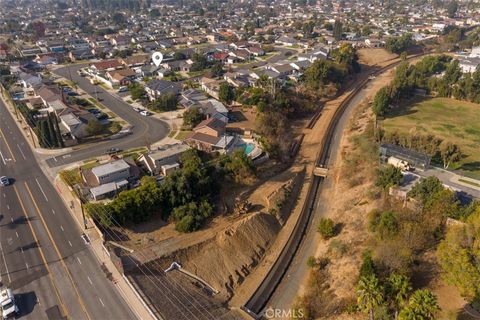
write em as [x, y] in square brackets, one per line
[113, 150]
[137, 109]
[145, 113]
[4, 181]
[122, 89]
[7, 302]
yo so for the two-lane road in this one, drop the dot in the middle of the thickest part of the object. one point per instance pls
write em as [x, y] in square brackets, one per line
[145, 130]
[43, 258]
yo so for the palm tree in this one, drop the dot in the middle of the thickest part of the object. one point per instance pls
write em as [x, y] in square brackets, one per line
[369, 294]
[398, 291]
[421, 306]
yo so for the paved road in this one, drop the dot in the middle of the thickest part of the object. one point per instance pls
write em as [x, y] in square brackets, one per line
[273, 59]
[146, 130]
[43, 257]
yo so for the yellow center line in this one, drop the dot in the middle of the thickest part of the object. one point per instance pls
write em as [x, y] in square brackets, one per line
[80, 300]
[8, 146]
[65, 311]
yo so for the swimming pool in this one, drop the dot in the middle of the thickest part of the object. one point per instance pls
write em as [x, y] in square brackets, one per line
[247, 147]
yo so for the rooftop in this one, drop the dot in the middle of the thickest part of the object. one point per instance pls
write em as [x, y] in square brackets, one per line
[110, 167]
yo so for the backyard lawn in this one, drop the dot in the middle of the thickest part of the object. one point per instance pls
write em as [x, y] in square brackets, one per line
[448, 119]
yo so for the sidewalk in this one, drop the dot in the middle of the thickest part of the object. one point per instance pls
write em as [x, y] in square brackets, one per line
[132, 298]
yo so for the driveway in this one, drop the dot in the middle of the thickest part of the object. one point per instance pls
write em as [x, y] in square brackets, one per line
[145, 130]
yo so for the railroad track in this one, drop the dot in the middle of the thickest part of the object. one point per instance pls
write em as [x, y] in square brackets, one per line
[264, 292]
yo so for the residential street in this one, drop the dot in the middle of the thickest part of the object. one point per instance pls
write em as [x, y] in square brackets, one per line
[145, 130]
[36, 227]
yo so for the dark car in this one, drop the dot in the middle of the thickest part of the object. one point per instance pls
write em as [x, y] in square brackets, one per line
[113, 150]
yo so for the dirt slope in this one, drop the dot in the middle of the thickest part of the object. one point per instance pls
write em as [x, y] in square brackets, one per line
[230, 256]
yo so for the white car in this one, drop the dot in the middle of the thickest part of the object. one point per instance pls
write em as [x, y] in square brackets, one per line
[145, 113]
[7, 301]
[122, 89]
[4, 181]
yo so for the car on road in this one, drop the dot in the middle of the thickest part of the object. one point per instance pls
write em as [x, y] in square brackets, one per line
[145, 113]
[113, 150]
[94, 111]
[122, 89]
[7, 302]
[4, 181]
[137, 109]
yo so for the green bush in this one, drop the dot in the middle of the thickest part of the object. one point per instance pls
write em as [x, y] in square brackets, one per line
[326, 227]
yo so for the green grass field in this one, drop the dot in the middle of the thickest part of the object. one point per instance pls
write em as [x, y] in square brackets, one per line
[448, 119]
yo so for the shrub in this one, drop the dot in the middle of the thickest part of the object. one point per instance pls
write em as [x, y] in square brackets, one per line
[338, 247]
[367, 267]
[311, 262]
[388, 176]
[326, 227]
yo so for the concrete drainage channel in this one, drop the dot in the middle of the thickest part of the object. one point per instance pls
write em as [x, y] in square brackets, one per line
[257, 302]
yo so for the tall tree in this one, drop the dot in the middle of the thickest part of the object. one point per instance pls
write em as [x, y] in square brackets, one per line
[452, 8]
[381, 102]
[369, 295]
[450, 153]
[337, 30]
[225, 93]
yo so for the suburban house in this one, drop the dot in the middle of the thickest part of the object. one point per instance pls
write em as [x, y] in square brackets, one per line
[148, 70]
[104, 66]
[164, 159]
[108, 179]
[52, 98]
[121, 77]
[211, 86]
[157, 88]
[81, 54]
[209, 135]
[191, 98]
[286, 41]
[73, 125]
[214, 109]
[135, 61]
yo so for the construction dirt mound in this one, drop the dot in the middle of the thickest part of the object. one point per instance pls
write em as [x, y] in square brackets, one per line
[226, 259]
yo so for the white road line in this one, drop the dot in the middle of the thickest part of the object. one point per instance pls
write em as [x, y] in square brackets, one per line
[5, 262]
[38, 183]
[78, 259]
[27, 265]
[11, 219]
[4, 195]
[61, 227]
[101, 302]
[53, 211]
[23, 155]
[8, 207]
[3, 159]
[70, 243]
[90, 280]
[16, 233]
